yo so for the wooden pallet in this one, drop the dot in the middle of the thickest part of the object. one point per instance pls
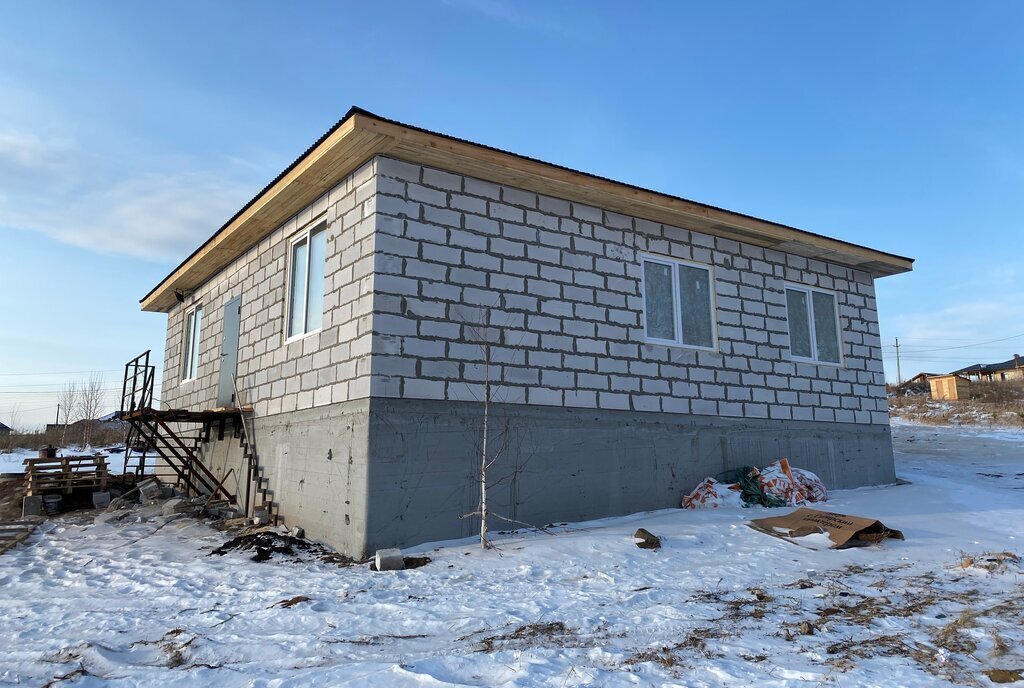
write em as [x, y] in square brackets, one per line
[65, 474]
[13, 532]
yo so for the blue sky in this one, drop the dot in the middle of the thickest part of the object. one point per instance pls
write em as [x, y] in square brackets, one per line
[130, 131]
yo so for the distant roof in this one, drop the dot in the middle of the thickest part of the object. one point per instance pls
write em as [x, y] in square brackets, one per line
[3, 427]
[1015, 362]
[360, 135]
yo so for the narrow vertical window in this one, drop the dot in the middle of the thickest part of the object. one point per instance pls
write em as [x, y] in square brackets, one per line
[190, 351]
[799, 324]
[695, 306]
[659, 301]
[813, 324]
[315, 282]
[306, 283]
[678, 303]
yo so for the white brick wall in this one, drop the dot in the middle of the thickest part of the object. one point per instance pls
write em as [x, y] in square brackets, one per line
[562, 282]
[317, 370]
[416, 254]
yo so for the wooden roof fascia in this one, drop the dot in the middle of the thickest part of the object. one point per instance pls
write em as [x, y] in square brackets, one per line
[361, 135]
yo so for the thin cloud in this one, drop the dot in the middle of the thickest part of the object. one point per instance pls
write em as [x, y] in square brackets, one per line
[513, 13]
[57, 190]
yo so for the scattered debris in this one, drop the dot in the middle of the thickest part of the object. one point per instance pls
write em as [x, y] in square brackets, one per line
[265, 543]
[841, 530]
[645, 539]
[993, 562]
[776, 485]
[1004, 675]
[13, 532]
[176, 506]
[549, 634]
[150, 490]
[291, 602]
[711, 494]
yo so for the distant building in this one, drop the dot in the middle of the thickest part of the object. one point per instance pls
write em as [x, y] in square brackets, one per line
[4, 430]
[949, 387]
[994, 372]
[915, 385]
[111, 421]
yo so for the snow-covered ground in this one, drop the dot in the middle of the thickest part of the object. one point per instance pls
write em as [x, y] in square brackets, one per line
[720, 604]
[14, 461]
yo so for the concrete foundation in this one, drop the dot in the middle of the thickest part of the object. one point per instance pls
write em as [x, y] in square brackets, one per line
[381, 473]
[316, 461]
[564, 464]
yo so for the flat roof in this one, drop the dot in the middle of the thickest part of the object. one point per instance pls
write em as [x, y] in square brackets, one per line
[361, 135]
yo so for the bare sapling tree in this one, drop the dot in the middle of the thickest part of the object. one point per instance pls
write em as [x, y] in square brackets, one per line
[92, 394]
[495, 438]
[68, 404]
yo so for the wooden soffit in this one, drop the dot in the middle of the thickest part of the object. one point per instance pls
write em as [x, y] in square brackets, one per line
[362, 135]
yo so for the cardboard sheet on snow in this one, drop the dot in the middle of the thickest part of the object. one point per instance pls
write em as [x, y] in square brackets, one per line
[842, 530]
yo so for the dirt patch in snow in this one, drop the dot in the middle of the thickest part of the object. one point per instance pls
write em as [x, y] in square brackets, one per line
[266, 543]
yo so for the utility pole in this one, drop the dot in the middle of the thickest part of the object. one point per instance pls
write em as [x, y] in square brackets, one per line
[899, 376]
[57, 422]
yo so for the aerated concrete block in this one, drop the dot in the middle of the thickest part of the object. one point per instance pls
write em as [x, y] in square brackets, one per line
[389, 560]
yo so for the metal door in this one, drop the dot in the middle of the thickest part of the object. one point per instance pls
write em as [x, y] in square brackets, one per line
[229, 353]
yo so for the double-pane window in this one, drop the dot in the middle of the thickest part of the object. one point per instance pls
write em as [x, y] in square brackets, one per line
[306, 284]
[678, 303]
[813, 324]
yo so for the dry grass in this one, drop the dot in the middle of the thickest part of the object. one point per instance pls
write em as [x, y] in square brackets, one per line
[993, 562]
[673, 656]
[552, 633]
[1000, 404]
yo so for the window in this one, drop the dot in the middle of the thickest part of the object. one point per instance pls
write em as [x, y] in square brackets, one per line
[678, 303]
[190, 352]
[813, 324]
[306, 286]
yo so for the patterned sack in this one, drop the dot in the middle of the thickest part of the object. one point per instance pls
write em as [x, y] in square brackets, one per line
[711, 494]
[793, 485]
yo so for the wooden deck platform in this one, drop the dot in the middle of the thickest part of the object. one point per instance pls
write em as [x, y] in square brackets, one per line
[187, 415]
[65, 474]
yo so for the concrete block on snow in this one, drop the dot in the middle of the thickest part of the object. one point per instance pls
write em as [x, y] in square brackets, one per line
[389, 560]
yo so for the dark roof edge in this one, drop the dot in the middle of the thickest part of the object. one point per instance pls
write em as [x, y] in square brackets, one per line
[356, 110]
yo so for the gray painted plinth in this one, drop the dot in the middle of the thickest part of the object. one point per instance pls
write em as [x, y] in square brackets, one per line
[368, 475]
[565, 464]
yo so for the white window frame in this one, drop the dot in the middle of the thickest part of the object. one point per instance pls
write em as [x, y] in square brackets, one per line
[810, 324]
[295, 239]
[677, 301]
[191, 335]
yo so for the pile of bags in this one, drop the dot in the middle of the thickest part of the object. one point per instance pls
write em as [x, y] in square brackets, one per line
[777, 485]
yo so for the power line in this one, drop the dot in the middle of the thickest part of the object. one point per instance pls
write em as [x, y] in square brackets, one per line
[65, 372]
[968, 346]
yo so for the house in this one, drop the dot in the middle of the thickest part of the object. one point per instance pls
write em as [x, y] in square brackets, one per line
[5, 431]
[632, 342]
[108, 422]
[995, 372]
[949, 387]
[915, 385]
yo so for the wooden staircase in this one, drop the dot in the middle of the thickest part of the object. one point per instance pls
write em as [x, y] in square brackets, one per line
[177, 436]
